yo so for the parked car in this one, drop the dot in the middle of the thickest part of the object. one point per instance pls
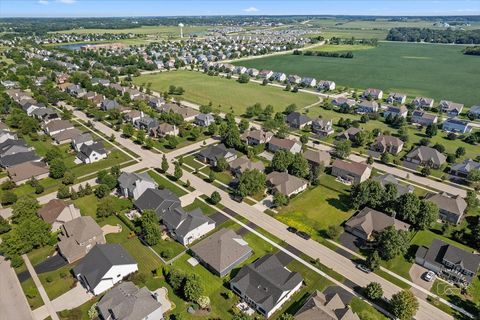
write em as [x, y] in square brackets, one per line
[361, 266]
[292, 229]
[429, 276]
[237, 198]
[303, 235]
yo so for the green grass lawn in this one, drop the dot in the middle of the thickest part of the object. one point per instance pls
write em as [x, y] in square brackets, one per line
[341, 48]
[31, 292]
[57, 282]
[192, 162]
[164, 182]
[414, 69]
[469, 302]
[207, 209]
[365, 311]
[224, 177]
[314, 210]
[230, 94]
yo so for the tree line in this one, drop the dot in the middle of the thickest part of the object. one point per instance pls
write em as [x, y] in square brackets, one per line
[347, 55]
[434, 36]
[472, 51]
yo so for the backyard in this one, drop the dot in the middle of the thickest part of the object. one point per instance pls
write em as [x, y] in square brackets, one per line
[231, 95]
[414, 69]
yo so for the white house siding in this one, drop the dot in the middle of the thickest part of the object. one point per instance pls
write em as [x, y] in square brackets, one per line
[197, 233]
[141, 188]
[296, 148]
[113, 276]
[284, 299]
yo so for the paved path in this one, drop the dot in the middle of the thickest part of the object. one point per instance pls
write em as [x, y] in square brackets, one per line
[313, 249]
[50, 311]
[13, 303]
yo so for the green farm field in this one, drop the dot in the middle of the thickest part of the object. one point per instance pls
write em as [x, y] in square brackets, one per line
[202, 89]
[166, 31]
[437, 71]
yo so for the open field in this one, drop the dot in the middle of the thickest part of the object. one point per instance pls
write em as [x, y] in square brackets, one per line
[341, 48]
[165, 31]
[414, 69]
[202, 89]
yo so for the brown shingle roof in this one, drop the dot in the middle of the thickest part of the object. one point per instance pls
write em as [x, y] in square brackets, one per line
[26, 170]
[353, 167]
[50, 212]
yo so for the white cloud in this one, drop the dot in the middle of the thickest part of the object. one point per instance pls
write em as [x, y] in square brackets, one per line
[44, 2]
[67, 1]
[251, 9]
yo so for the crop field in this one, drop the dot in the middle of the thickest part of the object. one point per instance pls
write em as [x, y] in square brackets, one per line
[341, 48]
[414, 69]
[165, 31]
[231, 95]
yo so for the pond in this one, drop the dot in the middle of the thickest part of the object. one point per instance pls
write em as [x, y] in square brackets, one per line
[74, 46]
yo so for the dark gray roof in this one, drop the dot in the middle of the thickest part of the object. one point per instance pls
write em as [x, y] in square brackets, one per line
[297, 119]
[158, 200]
[425, 153]
[14, 159]
[85, 137]
[265, 280]
[99, 260]
[466, 166]
[388, 178]
[215, 152]
[440, 250]
[87, 150]
[184, 222]
[127, 302]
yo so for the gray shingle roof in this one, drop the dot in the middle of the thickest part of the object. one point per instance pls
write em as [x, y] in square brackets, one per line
[390, 179]
[265, 280]
[14, 159]
[127, 302]
[99, 260]
[216, 152]
[456, 204]
[129, 180]
[425, 153]
[184, 222]
[159, 200]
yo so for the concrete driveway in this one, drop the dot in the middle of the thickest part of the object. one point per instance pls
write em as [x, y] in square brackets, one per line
[71, 299]
[416, 274]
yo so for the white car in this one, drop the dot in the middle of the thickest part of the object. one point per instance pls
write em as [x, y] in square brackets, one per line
[429, 276]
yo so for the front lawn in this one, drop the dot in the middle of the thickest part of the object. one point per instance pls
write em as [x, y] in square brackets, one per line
[365, 311]
[31, 292]
[315, 209]
[57, 282]
[164, 182]
[191, 161]
[207, 209]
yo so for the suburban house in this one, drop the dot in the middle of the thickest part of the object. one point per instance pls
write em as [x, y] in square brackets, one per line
[448, 261]
[422, 102]
[349, 134]
[56, 212]
[186, 227]
[7, 161]
[395, 97]
[66, 136]
[256, 137]
[25, 171]
[456, 126]
[103, 82]
[393, 112]
[155, 102]
[284, 144]
[127, 301]
[341, 101]
[450, 208]
[388, 144]
[266, 284]
[109, 105]
[242, 164]
[158, 200]
[222, 251]
[453, 109]
[163, 130]
[45, 115]
[188, 114]
[309, 82]
[253, 72]
[285, 183]
[474, 112]
[464, 168]
[322, 127]
[368, 222]
[80, 140]
[426, 156]
[280, 76]
[297, 120]
[57, 126]
[103, 267]
[326, 85]
[353, 172]
[320, 306]
[294, 79]
[317, 157]
[146, 123]
[133, 116]
[92, 153]
[204, 119]
[388, 178]
[422, 118]
[133, 185]
[265, 74]
[240, 70]
[212, 154]
[376, 94]
[12, 147]
[78, 236]
[366, 106]
[7, 135]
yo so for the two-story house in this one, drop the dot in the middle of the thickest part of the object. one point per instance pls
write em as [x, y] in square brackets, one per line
[390, 144]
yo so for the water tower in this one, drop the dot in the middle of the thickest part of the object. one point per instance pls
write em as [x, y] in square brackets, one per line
[181, 29]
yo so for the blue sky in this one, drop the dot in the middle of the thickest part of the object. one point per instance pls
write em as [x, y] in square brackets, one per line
[103, 8]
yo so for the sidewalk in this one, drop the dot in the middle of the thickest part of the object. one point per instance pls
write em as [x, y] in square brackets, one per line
[13, 304]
